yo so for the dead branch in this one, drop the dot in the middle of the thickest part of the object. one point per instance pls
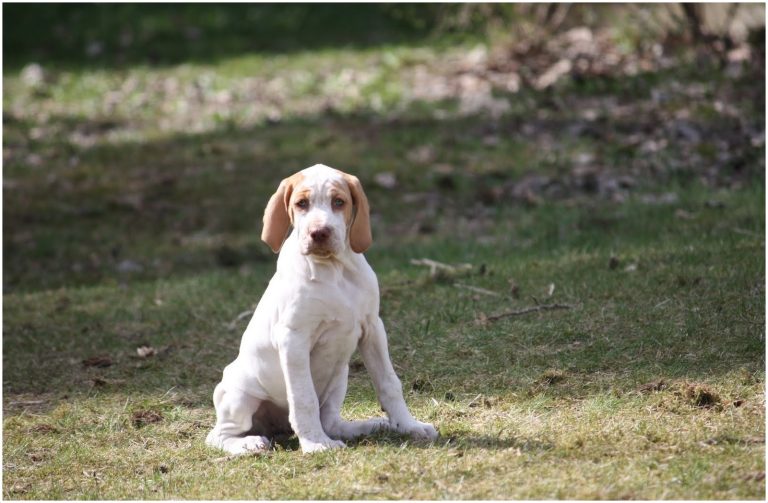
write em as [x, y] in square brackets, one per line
[435, 266]
[477, 289]
[29, 402]
[527, 310]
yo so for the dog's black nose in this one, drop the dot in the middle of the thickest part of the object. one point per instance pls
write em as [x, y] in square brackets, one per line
[320, 235]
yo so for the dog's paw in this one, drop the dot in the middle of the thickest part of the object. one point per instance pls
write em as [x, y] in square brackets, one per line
[419, 430]
[239, 445]
[308, 446]
[247, 445]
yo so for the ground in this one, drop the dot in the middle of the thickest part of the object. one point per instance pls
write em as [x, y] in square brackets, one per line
[633, 195]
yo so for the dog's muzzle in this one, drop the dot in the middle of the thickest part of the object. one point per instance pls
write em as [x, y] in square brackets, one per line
[320, 242]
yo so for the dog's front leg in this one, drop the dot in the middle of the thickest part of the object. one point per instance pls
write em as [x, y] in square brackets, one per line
[303, 405]
[373, 348]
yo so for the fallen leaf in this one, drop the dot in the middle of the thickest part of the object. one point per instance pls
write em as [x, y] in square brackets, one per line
[652, 386]
[20, 488]
[514, 289]
[146, 351]
[100, 361]
[551, 376]
[44, 428]
[92, 474]
[420, 385]
[756, 477]
[38, 456]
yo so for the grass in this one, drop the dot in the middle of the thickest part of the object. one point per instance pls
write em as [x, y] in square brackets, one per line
[131, 219]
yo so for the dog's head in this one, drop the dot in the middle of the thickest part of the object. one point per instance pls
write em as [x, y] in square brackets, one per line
[328, 209]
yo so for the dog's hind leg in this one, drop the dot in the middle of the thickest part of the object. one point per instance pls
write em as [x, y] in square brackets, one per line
[234, 420]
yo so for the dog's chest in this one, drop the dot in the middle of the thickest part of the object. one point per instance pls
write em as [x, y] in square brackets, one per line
[336, 339]
[341, 313]
[342, 309]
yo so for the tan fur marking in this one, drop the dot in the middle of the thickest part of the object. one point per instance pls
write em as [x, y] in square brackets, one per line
[341, 190]
[297, 196]
[360, 238]
[277, 217]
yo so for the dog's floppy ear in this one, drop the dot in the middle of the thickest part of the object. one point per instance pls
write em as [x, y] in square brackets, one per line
[360, 238]
[277, 218]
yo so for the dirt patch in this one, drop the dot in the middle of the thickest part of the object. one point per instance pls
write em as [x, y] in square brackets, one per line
[43, 429]
[699, 395]
[141, 418]
[690, 393]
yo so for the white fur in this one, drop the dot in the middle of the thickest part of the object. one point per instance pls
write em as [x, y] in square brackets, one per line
[291, 372]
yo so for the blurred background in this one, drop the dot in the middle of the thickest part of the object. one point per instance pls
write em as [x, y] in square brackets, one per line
[142, 141]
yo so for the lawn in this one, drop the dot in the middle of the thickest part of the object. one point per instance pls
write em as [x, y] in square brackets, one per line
[134, 182]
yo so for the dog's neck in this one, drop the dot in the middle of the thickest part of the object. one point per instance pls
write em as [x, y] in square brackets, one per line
[319, 268]
[333, 265]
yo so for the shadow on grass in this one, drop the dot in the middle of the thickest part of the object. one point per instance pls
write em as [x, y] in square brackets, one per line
[121, 35]
[190, 203]
[112, 212]
[460, 441]
[456, 443]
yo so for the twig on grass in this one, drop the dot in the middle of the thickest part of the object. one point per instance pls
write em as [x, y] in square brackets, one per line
[477, 289]
[436, 267]
[527, 310]
[29, 402]
[226, 458]
[474, 400]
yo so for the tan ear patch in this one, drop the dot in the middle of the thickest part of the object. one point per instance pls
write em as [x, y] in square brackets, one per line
[277, 214]
[360, 237]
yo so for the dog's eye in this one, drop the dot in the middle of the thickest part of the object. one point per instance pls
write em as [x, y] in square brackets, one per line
[338, 202]
[302, 203]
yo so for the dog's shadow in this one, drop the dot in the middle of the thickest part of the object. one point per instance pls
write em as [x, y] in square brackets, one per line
[460, 441]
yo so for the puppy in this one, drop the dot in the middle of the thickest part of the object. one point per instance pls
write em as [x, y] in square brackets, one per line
[321, 304]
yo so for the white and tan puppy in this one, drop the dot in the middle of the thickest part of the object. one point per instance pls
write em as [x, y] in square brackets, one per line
[321, 304]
